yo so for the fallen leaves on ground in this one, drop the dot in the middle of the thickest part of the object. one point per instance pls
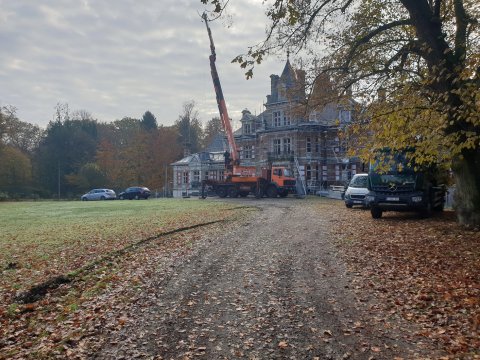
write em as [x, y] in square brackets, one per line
[70, 318]
[425, 270]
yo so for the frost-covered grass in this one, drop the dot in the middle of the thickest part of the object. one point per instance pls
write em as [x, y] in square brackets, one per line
[41, 239]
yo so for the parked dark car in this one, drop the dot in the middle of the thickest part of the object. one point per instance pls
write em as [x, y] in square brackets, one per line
[135, 192]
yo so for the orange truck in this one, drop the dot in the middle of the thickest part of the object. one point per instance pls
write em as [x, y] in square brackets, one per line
[240, 180]
[274, 181]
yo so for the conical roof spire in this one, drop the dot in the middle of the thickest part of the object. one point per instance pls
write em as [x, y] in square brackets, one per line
[288, 72]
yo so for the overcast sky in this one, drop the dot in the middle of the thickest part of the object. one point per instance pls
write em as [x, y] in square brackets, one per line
[117, 58]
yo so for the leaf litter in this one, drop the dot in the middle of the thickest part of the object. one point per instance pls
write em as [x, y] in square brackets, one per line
[423, 272]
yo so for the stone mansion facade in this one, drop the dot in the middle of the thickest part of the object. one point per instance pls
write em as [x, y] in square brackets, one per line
[280, 135]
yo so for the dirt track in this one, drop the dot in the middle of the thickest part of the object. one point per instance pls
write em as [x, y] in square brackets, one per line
[270, 287]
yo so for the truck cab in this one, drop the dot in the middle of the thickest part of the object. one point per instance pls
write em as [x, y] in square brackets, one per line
[280, 181]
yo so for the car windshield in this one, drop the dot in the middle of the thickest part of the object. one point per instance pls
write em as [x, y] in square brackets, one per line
[397, 179]
[358, 182]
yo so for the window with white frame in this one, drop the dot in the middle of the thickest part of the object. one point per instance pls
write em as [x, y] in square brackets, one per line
[277, 118]
[185, 177]
[196, 175]
[221, 175]
[206, 175]
[309, 145]
[308, 172]
[248, 152]
[247, 128]
[286, 145]
[286, 119]
[277, 147]
[317, 145]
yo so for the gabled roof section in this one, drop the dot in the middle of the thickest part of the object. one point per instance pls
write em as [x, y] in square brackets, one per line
[186, 160]
[247, 116]
[201, 157]
[218, 143]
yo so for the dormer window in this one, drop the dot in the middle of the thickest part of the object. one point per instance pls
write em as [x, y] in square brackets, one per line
[286, 120]
[247, 128]
[277, 119]
[345, 116]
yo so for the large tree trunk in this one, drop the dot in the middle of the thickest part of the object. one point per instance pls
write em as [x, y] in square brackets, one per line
[467, 194]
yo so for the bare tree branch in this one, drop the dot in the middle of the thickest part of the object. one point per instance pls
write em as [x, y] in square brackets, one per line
[365, 39]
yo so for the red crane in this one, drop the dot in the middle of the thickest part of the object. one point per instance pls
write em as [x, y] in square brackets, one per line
[242, 180]
[222, 107]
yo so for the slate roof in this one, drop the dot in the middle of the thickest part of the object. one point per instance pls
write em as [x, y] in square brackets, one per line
[219, 143]
[201, 157]
[288, 72]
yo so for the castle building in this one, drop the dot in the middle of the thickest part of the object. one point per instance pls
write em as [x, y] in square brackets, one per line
[286, 133]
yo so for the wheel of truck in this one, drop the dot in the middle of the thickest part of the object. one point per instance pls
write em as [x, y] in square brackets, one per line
[243, 194]
[440, 207]
[233, 192]
[272, 191]
[349, 206]
[376, 212]
[283, 193]
[258, 193]
[222, 192]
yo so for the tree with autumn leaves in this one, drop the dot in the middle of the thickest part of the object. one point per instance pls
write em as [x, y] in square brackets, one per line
[414, 66]
[77, 153]
[18, 140]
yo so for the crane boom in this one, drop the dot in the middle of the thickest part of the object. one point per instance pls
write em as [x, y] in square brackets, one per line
[222, 107]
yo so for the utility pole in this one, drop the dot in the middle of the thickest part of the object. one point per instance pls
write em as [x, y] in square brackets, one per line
[166, 181]
[58, 179]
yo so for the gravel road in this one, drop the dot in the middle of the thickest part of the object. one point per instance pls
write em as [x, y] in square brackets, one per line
[270, 287]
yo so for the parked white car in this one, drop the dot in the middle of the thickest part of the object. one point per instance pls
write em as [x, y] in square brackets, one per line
[99, 194]
[356, 191]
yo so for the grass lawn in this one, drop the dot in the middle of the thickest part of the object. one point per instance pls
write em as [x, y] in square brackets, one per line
[39, 240]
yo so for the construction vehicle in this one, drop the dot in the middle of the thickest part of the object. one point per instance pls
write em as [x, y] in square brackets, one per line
[239, 180]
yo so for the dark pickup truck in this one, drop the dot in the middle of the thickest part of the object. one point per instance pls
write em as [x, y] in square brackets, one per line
[403, 190]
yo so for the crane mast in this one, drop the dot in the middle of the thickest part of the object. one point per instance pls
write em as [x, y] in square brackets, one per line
[222, 107]
[242, 180]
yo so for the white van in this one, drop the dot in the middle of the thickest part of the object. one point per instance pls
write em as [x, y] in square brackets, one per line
[356, 191]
